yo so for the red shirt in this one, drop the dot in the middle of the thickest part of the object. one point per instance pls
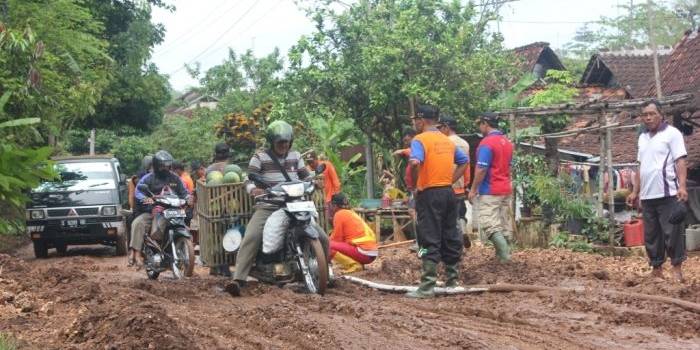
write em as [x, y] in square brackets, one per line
[495, 154]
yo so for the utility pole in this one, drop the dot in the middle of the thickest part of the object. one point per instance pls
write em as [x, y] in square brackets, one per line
[657, 74]
[91, 141]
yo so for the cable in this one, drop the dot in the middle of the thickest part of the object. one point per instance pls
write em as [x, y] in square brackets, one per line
[194, 29]
[269, 11]
[217, 39]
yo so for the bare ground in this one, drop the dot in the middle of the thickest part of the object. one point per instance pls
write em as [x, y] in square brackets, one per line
[91, 300]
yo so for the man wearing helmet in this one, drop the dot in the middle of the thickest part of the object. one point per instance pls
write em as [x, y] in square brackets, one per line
[162, 178]
[287, 165]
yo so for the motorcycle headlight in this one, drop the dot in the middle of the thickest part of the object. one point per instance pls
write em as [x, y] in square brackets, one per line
[109, 211]
[294, 190]
[36, 214]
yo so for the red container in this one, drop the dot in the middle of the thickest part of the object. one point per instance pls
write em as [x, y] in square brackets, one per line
[634, 233]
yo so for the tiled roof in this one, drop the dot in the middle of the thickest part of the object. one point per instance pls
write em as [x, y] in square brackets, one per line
[681, 71]
[632, 70]
[527, 56]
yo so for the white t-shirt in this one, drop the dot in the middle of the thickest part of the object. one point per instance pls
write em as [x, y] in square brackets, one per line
[657, 162]
[463, 146]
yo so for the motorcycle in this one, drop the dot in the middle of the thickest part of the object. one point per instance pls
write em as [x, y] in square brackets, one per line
[169, 245]
[301, 257]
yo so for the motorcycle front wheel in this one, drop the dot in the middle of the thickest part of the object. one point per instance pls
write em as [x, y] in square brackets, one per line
[185, 256]
[315, 260]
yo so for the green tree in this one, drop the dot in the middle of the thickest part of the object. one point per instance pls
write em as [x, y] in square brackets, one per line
[630, 29]
[558, 90]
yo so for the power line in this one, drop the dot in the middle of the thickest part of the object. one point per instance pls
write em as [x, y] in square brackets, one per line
[267, 12]
[187, 35]
[219, 38]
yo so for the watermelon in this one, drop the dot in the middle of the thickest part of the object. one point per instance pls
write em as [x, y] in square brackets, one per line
[232, 178]
[233, 167]
[215, 178]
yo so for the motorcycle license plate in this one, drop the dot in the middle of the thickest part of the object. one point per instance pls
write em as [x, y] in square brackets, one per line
[294, 207]
[174, 213]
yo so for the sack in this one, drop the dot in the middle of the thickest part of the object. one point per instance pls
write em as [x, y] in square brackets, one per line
[274, 230]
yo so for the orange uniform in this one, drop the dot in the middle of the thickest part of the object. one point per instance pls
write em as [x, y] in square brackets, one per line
[187, 181]
[331, 182]
[348, 227]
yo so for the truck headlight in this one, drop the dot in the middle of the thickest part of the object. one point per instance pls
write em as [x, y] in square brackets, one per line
[109, 211]
[36, 214]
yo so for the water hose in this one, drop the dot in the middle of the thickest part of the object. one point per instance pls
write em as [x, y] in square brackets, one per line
[507, 288]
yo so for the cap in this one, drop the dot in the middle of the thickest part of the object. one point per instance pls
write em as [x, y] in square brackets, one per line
[221, 148]
[427, 112]
[449, 121]
[340, 199]
[490, 118]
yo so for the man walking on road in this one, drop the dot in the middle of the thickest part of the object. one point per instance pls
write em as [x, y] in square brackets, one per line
[448, 126]
[432, 158]
[492, 183]
[661, 187]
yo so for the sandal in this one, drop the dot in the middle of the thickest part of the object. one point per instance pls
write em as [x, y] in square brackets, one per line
[131, 261]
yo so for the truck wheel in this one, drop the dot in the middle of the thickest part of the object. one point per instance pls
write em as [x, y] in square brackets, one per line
[41, 251]
[121, 245]
[61, 248]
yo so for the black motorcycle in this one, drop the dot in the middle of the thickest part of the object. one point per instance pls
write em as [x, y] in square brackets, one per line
[301, 257]
[169, 245]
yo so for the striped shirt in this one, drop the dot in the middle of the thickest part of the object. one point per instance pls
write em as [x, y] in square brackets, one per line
[262, 164]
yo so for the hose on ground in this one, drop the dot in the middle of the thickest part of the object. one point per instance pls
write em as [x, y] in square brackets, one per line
[506, 288]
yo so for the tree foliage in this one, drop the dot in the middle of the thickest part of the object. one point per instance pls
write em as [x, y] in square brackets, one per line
[631, 28]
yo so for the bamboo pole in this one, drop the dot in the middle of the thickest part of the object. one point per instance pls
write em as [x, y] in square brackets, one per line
[601, 166]
[611, 197]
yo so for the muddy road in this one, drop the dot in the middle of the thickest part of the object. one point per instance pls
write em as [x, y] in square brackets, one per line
[91, 300]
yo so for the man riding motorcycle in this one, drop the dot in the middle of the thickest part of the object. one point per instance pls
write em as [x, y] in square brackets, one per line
[159, 179]
[280, 136]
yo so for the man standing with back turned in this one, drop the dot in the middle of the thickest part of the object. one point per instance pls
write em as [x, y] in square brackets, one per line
[662, 175]
[492, 183]
[432, 158]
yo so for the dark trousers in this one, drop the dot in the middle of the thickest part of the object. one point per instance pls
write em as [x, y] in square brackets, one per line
[437, 210]
[662, 238]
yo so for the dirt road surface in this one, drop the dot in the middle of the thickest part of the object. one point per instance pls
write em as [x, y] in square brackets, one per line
[91, 300]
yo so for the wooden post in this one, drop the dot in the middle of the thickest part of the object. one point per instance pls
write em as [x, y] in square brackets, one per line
[601, 167]
[92, 142]
[652, 43]
[611, 192]
[369, 160]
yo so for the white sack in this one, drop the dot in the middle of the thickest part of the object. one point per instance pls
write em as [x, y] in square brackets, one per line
[273, 232]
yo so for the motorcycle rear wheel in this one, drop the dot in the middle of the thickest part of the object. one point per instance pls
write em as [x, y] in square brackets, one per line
[185, 253]
[315, 259]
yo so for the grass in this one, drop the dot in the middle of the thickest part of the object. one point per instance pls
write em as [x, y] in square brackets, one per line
[7, 342]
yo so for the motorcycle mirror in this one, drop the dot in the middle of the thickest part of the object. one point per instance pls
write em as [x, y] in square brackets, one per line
[143, 188]
[258, 180]
[320, 169]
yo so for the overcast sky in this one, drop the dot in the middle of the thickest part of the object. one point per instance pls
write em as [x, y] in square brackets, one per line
[202, 30]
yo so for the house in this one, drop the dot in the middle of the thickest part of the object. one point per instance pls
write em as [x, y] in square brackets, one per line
[631, 70]
[680, 72]
[537, 58]
[192, 100]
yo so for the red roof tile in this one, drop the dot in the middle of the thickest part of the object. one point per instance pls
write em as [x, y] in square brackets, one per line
[681, 71]
[632, 70]
[527, 56]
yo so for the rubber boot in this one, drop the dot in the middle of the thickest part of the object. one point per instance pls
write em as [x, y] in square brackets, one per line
[502, 248]
[346, 263]
[427, 282]
[452, 272]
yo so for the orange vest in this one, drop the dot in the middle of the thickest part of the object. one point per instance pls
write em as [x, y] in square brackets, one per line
[438, 167]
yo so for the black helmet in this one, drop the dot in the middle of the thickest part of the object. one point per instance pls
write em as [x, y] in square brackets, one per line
[162, 163]
[279, 130]
[147, 162]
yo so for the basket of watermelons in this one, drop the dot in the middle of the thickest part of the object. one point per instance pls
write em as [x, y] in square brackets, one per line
[221, 202]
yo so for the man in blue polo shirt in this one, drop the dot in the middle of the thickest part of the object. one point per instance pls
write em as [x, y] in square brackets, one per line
[492, 183]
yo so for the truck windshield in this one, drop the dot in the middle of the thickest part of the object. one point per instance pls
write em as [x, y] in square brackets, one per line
[81, 177]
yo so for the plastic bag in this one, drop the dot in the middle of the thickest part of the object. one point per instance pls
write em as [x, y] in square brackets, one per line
[274, 230]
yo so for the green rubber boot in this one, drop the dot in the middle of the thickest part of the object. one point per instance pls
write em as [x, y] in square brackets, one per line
[502, 247]
[452, 272]
[427, 282]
